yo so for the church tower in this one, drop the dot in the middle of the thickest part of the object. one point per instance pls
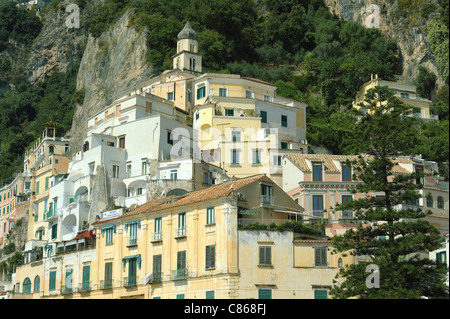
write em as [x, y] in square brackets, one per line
[187, 57]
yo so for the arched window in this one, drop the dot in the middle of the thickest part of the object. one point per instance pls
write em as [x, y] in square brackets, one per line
[37, 284]
[51, 149]
[440, 202]
[27, 286]
[429, 201]
[176, 192]
[86, 146]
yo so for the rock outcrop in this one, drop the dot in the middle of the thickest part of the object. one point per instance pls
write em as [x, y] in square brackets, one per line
[408, 30]
[111, 63]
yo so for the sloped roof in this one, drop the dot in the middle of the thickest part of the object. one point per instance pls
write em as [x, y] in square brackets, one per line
[210, 193]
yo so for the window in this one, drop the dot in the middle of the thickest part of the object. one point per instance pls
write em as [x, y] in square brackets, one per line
[347, 213]
[54, 231]
[182, 224]
[169, 138]
[115, 171]
[108, 276]
[180, 296]
[52, 280]
[317, 171]
[404, 95]
[236, 136]
[419, 174]
[109, 235]
[263, 115]
[51, 149]
[320, 294]
[85, 286]
[27, 286]
[277, 160]
[139, 191]
[249, 94]
[189, 95]
[144, 168]
[37, 284]
[235, 157]
[173, 174]
[176, 192]
[256, 157]
[201, 92]
[46, 182]
[122, 141]
[346, 173]
[283, 120]
[265, 256]
[264, 293]
[284, 145]
[181, 264]
[440, 202]
[128, 170]
[157, 268]
[36, 212]
[170, 96]
[37, 188]
[45, 205]
[210, 294]
[157, 235]
[267, 98]
[133, 234]
[210, 255]
[441, 257]
[132, 272]
[266, 194]
[223, 92]
[320, 256]
[229, 112]
[430, 201]
[318, 205]
[340, 265]
[210, 216]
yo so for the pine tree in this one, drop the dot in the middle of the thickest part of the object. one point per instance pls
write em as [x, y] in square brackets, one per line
[394, 241]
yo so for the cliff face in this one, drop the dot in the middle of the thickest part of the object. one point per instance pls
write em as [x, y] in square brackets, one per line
[406, 25]
[111, 63]
[56, 49]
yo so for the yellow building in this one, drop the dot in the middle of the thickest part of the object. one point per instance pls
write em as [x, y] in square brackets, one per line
[407, 93]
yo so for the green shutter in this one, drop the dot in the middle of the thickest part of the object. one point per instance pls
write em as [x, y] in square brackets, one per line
[210, 261]
[210, 294]
[180, 296]
[86, 274]
[320, 294]
[52, 281]
[264, 293]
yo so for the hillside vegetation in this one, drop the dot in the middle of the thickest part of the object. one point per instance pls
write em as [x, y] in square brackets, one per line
[310, 54]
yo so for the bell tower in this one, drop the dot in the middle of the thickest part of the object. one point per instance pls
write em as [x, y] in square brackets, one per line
[187, 57]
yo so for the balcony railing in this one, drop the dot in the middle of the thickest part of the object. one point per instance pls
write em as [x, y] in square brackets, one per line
[132, 241]
[106, 284]
[66, 291]
[179, 274]
[156, 236]
[129, 281]
[157, 277]
[266, 199]
[181, 232]
[85, 287]
[346, 214]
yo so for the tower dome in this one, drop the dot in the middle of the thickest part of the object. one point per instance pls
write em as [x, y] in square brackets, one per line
[187, 33]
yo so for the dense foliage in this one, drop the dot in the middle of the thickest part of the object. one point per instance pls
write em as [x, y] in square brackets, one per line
[18, 24]
[392, 237]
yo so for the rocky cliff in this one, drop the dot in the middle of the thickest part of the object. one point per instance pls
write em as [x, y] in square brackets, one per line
[111, 63]
[407, 25]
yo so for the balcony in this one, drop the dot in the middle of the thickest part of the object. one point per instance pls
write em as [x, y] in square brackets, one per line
[66, 291]
[266, 200]
[157, 278]
[156, 237]
[85, 287]
[181, 232]
[50, 214]
[179, 274]
[129, 281]
[132, 242]
[106, 284]
[346, 214]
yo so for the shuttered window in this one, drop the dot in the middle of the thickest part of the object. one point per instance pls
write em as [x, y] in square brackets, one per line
[320, 294]
[156, 268]
[265, 255]
[264, 293]
[210, 262]
[320, 256]
[210, 216]
[181, 259]
[210, 294]
[108, 272]
[86, 277]
[52, 281]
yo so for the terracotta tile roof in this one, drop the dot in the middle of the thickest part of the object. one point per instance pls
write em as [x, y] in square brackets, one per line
[300, 160]
[201, 195]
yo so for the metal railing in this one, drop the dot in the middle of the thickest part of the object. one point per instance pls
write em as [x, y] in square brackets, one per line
[106, 284]
[267, 199]
[156, 236]
[130, 281]
[181, 232]
[179, 274]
